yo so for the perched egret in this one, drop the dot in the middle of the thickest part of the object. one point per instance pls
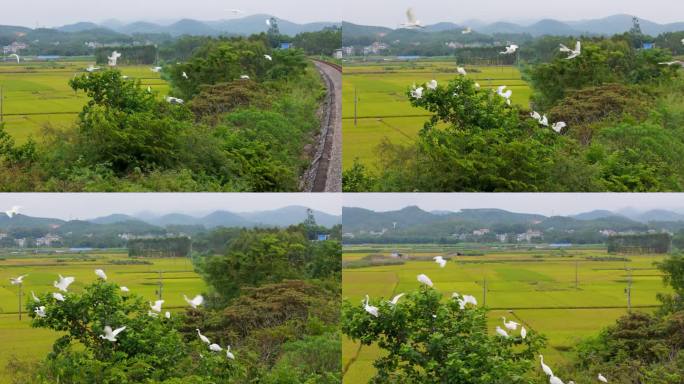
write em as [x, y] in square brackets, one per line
[535, 115]
[111, 60]
[195, 302]
[477, 85]
[373, 310]
[411, 21]
[17, 280]
[13, 211]
[440, 260]
[152, 314]
[185, 75]
[555, 380]
[156, 69]
[509, 50]
[167, 315]
[215, 348]
[417, 93]
[111, 335]
[174, 100]
[558, 127]
[573, 52]
[268, 57]
[125, 289]
[157, 305]
[545, 367]
[602, 378]
[58, 296]
[244, 77]
[425, 280]
[676, 62]
[506, 95]
[501, 332]
[523, 332]
[149, 89]
[15, 56]
[35, 298]
[64, 283]
[511, 325]
[202, 337]
[40, 311]
[92, 68]
[432, 84]
[544, 121]
[101, 274]
[461, 71]
[396, 298]
[229, 354]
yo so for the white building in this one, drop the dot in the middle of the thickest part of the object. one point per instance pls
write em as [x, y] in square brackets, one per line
[48, 240]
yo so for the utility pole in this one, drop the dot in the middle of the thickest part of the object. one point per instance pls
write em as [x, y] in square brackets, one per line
[1, 114]
[484, 292]
[161, 285]
[20, 294]
[629, 291]
[356, 104]
[576, 275]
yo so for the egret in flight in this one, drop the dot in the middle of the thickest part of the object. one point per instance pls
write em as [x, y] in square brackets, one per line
[195, 302]
[92, 68]
[15, 56]
[113, 58]
[111, 335]
[573, 52]
[63, 283]
[156, 69]
[467, 31]
[13, 211]
[17, 280]
[509, 50]
[157, 307]
[373, 310]
[244, 77]
[440, 260]
[411, 21]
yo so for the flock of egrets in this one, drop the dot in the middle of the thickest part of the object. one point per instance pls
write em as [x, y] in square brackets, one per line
[464, 301]
[111, 334]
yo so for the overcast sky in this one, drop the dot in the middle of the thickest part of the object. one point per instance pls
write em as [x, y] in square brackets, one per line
[59, 12]
[542, 203]
[391, 13]
[70, 206]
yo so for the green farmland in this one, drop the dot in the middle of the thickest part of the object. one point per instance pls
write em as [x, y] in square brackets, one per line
[383, 109]
[38, 93]
[26, 343]
[537, 287]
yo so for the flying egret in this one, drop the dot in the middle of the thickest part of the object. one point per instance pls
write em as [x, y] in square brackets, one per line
[555, 380]
[558, 127]
[268, 57]
[195, 302]
[396, 298]
[174, 100]
[92, 68]
[373, 310]
[64, 283]
[202, 337]
[506, 95]
[125, 289]
[602, 378]
[229, 354]
[545, 367]
[157, 305]
[523, 332]
[101, 274]
[40, 311]
[111, 60]
[511, 325]
[461, 71]
[573, 52]
[111, 335]
[440, 260]
[467, 31]
[417, 93]
[167, 315]
[13, 211]
[156, 69]
[411, 21]
[215, 348]
[509, 50]
[58, 296]
[501, 332]
[669, 63]
[425, 280]
[17, 280]
[185, 75]
[35, 298]
[432, 85]
[15, 56]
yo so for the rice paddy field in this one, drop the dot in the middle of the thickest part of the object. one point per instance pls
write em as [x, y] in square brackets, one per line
[565, 294]
[382, 107]
[38, 93]
[19, 339]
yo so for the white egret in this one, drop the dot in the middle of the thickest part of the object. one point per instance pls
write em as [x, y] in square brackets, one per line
[676, 62]
[511, 325]
[125, 289]
[149, 89]
[602, 378]
[202, 337]
[157, 307]
[185, 75]
[501, 332]
[411, 21]
[101, 274]
[167, 315]
[215, 348]
[467, 31]
[509, 50]
[432, 84]
[268, 22]
[544, 121]
[506, 95]
[229, 354]
[477, 85]
[92, 68]
[425, 280]
[558, 127]
[535, 115]
[417, 93]
[174, 100]
[40, 311]
[545, 367]
[268, 57]
[156, 69]
[58, 296]
[440, 260]
[523, 332]
[461, 71]
[244, 77]
[35, 298]
[13, 211]
[17, 280]
[555, 380]
[195, 302]
[373, 310]
[64, 283]
[111, 335]
[396, 298]
[573, 52]
[15, 56]
[152, 314]
[111, 60]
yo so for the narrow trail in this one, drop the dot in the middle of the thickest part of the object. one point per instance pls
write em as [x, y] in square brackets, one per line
[325, 171]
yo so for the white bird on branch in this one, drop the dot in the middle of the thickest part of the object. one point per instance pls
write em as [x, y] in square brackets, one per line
[35, 298]
[372, 310]
[202, 337]
[40, 311]
[215, 348]
[396, 298]
[558, 127]
[511, 325]
[461, 71]
[58, 296]
[425, 280]
[125, 289]
[101, 274]
[501, 332]
[157, 307]
[111, 335]
[432, 85]
[506, 95]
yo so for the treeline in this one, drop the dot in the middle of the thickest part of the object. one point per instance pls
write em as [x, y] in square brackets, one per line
[180, 246]
[640, 243]
[130, 55]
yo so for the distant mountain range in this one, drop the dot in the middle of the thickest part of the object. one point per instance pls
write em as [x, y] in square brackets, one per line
[604, 26]
[243, 26]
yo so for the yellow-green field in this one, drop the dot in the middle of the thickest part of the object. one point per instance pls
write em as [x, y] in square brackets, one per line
[383, 109]
[19, 339]
[536, 285]
[38, 93]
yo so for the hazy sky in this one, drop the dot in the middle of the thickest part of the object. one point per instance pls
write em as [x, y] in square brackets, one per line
[60, 12]
[90, 205]
[541, 203]
[392, 12]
